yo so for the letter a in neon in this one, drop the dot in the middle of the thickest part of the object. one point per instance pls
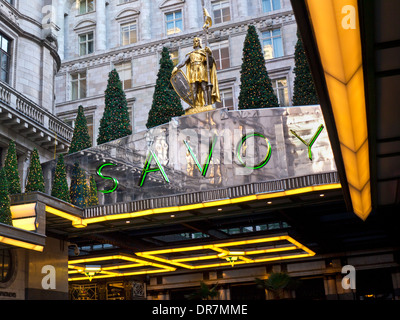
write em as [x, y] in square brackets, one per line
[203, 170]
[310, 143]
[147, 168]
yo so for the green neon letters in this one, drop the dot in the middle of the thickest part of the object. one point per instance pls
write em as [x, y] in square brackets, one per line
[263, 162]
[108, 178]
[210, 151]
[311, 142]
[203, 170]
[147, 168]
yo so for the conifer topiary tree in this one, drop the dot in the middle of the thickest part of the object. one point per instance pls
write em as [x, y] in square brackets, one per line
[60, 188]
[80, 139]
[255, 85]
[166, 102]
[35, 175]
[5, 212]
[11, 169]
[304, 92]
[79, 190]
[115, 122]
[93, 199]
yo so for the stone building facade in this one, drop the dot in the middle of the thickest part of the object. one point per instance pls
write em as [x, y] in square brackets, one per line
[29, 63]
[97, 36]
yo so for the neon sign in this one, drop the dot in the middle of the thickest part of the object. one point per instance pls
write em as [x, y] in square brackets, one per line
[211, 148]
[108, 178]
[203, 169]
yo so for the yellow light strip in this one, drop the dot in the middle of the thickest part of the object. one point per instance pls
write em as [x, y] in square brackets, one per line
[261, 196]
[279, 249]
[76, 221]
[224, 252]
[299, 245]
[111, 275]
[23, 210]
[213, 256]
[105, 271]
[21, 244]
[28, 224]
[337, 33]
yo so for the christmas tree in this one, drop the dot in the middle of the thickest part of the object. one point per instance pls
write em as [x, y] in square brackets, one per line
[166, 102]
[304, 90]
[115, 122]
[93, 199]
[35, 174]
[11, 169]
[60, 186]
[255, 85]
[5, 212]
[79, 191]
[80, 139]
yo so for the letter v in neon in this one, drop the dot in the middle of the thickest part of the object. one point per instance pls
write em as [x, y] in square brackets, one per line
[147, 168]
[203, 170]
[311, 142]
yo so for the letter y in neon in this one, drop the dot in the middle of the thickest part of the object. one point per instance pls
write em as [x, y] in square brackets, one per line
[310, 143]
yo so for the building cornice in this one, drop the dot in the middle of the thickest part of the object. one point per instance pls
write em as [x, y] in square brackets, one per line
[181, 40]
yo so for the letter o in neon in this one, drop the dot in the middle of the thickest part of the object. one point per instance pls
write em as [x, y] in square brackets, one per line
[267, 157]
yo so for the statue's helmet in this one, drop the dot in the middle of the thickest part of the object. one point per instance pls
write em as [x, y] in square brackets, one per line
[196, 42]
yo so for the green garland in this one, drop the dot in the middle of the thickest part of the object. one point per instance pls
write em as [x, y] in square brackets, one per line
[115, 122]
[166, 102]
[35, 176]
[80, 139]
[11, 169]
[60, 185]
[304, 92]
[5, 212]
[255, 85]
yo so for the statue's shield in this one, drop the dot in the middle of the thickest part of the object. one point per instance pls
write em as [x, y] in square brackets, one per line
[182, 87]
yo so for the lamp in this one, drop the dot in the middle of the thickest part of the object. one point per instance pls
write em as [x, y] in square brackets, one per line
[339, 47]
[91, 270]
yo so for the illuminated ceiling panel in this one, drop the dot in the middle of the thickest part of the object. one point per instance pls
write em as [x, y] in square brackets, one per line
[239, 252]
[118, 265]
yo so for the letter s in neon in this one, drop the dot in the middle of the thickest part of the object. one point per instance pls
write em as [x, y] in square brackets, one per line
[108, 178]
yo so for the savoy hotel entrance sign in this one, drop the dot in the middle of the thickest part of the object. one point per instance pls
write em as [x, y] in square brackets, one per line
[211, 152]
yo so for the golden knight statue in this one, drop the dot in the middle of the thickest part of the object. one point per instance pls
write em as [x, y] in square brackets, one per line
[202, 89]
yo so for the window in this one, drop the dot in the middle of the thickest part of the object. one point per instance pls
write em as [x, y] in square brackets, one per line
[86, 6]
[281, 91]
[128, 33]
[4, 58]
[5, 265]
[174, 57]
[271, 5]
[78, 85]
[272, 44]
[89, 120]
[174, 22]
[226, 99]
[131, 120]
[124, 70]
[86, 44]
[221, 10]
[221, 55]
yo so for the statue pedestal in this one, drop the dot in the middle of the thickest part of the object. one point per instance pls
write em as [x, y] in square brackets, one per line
[195, 110]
